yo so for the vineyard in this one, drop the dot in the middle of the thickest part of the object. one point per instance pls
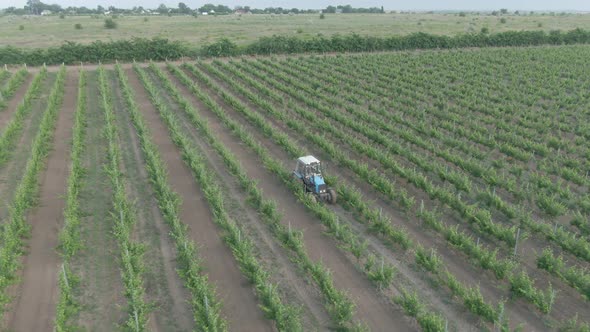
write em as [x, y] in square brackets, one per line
[160, 196]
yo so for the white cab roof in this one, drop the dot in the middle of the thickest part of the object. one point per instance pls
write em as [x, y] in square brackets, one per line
[308, 160]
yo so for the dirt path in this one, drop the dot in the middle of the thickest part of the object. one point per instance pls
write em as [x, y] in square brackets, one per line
[34, 308]
[6, 114]
[372, 308]
[240, 306]
[163, 285]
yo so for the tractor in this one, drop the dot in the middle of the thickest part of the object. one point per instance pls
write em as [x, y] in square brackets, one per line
[308, 171]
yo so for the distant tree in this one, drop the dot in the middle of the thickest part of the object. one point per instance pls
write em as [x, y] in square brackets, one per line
[162, 9]
[223, 47]
[100, 9]
[504, 11]
[33, 6]
[109, 23]
[330, 10]
[183, 8]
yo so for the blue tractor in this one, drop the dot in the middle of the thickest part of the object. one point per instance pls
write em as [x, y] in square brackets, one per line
[309, 172]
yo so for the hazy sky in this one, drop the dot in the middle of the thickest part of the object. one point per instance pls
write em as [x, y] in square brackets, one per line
[388, 4]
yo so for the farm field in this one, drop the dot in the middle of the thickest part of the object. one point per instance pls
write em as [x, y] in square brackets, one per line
[42, 32]
[160, 196]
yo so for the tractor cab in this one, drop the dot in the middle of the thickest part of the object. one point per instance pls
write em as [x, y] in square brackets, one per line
[308, 170]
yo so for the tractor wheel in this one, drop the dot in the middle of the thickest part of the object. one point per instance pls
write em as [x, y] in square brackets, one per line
[332, 198]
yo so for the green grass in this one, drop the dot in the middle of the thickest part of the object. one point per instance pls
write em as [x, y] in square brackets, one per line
[52, 31]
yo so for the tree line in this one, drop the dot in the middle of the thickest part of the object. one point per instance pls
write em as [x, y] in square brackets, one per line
[160, 49]
[36, 7]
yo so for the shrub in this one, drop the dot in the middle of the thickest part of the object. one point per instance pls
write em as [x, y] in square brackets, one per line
[322, 16]
[485, 30]
[62, 16]
[145, 19]
[223, 47]
[109, 23]
[21, 27]
[540, 25]
[503, 20]
[78, 26]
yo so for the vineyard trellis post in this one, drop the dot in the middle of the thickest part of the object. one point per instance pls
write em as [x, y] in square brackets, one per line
[63, 269]
[516, 241]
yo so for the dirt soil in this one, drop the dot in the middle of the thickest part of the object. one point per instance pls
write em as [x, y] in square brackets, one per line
[34, 307]
[371, 307]
[240, 306]
[6, 113]
[295, 287]
[163, 285]
[567, 301]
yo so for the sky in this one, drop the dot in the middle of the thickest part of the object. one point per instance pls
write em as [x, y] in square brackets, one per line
[581, 5]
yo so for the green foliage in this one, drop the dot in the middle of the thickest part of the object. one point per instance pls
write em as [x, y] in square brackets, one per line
[577, 277]
[204, 301]
[109, 23]
[21, 27]
[429, 321]
[381, 274]
[69, 237]
[124, 217]
[349, 195]
[287, 317]
[162, 49]
[522, 285]
[355, 43]
[428, 259]
[223, 47]
[15, 228]
[157, 49]
[12, 130]
[78, 26]
[10, 88]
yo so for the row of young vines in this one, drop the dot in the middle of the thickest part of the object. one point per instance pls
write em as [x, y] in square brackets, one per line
[16, 228]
